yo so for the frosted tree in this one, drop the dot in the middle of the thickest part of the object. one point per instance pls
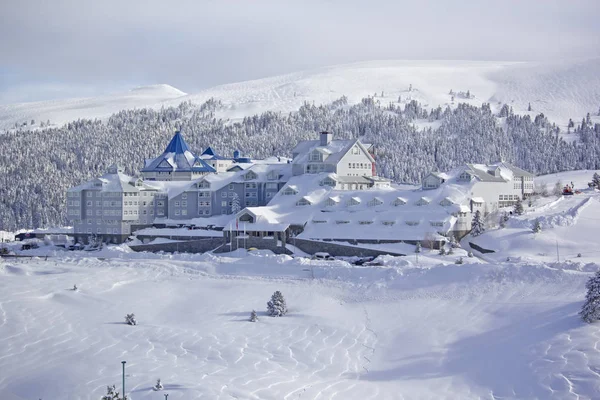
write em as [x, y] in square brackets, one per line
[276, 307]
[235, 204]
[529, 107]
[130, 319]
[590, 311]
[418, 247]
[596, 180]
[253, 316]
[537, 226]
[518, 207]
[503, 220]
[477, 225]
[558, 189]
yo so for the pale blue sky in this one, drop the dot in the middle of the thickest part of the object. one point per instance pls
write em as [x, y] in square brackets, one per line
[60, 48]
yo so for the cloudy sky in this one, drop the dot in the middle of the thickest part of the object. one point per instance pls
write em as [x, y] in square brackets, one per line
[65, 48]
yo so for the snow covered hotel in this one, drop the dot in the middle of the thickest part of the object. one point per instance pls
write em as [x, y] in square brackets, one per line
[328, 192]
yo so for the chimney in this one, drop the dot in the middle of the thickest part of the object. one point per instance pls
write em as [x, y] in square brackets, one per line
[326, 138]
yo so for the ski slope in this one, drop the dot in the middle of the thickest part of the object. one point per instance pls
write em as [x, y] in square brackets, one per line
[561, 90]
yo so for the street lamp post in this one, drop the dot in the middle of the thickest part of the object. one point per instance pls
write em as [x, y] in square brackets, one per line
[166, 396]
[123, 362]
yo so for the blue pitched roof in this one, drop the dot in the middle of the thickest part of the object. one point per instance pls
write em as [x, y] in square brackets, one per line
[201, 166]
[177, 157]
[209, 152]
[177, 145]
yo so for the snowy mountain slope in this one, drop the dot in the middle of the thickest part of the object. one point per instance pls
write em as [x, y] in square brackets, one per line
[471, 331]
[560, 91]
[59, 112]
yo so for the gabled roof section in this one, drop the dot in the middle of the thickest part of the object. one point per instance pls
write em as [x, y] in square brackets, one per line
[201, 166]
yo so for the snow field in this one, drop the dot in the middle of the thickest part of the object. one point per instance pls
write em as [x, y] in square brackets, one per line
[456, 331]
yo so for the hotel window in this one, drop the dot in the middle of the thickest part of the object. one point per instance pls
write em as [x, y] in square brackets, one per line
[224, 203]
[184, 196]
[184, 204]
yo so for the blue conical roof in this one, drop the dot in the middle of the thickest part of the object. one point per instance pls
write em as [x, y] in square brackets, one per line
[177, 145]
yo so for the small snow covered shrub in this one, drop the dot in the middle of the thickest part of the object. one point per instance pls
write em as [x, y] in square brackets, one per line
[459, 260]
[276, 307]
[75, 288]
[590, 311]
[450, 251]
[130, 319]
[537, 227]
[418, 247]
[442, 251]
[253, 316]
[111, 393]
[470, 254]
[159, 385]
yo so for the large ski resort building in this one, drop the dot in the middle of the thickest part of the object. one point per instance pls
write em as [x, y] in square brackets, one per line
[327, 192]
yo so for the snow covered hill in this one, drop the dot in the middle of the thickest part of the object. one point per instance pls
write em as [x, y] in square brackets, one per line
[59, 112]
[560, 91]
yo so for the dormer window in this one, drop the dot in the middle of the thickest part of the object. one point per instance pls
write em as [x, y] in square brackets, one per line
[355, 150]
[315, 156]
[273, 175]
[328, 182]
[303, 202]
[288, 191]
[249, 176]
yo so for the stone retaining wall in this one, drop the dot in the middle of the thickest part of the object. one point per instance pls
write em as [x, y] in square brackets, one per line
[336, 249]
[187, 246]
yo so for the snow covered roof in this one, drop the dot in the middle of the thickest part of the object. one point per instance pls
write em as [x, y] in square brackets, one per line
[335, 149]
[117, 182]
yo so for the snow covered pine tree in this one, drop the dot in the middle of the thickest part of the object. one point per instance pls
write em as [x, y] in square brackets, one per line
[477, 227]
[518, 207]
[596, 180]
[276, 307]
[253, 316]
[590, 311]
